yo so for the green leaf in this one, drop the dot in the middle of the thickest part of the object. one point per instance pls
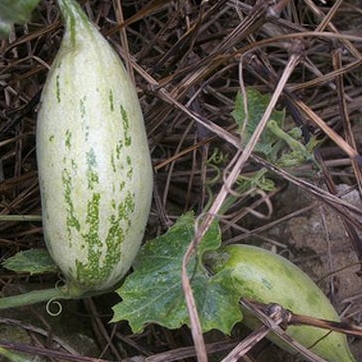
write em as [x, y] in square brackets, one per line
[5, 29]
[257, 180]
[33, 261]
[15, 11]
[249, 118]
[153, 292]
[298, 153]
[13, 356]
[283, 148]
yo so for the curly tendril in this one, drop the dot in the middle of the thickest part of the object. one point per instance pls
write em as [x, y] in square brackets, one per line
[54, 302]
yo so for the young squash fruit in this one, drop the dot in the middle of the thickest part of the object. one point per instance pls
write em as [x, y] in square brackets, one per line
[94, 164]
[266, 277]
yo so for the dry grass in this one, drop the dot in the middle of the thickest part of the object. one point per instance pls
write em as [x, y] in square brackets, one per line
[189, 59]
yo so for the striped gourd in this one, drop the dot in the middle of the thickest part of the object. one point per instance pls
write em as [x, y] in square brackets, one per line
[93, 159]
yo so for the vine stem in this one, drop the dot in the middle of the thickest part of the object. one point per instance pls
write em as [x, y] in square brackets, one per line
[35, 296]
[67, 291]
[20, 218]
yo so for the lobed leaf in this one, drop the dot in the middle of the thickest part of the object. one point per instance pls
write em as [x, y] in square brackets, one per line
[153, 292]
[33, 261]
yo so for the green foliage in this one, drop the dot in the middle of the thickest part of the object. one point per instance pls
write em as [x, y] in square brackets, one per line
[248, 119]
[33, 261]
[283, 148]
[15, 11]
[257, 180]
[153, 292]
[5, 28]
[12, 356]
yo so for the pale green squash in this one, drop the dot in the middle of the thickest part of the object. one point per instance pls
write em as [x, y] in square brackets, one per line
[269, 278]
[93, 158]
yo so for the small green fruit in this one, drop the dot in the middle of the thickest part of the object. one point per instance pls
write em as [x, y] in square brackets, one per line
[269, 278]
